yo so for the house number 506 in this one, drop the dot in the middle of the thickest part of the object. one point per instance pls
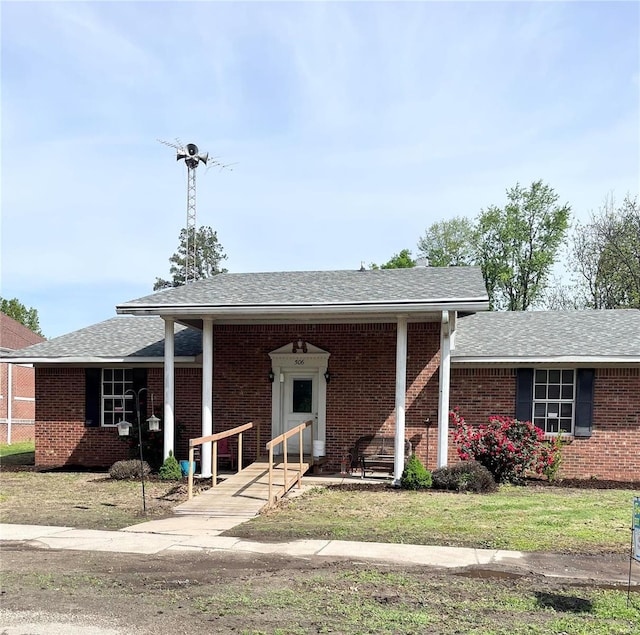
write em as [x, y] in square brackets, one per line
[299, 362]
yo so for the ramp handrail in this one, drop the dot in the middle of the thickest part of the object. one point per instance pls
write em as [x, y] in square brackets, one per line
[282, 438]
[214, 438]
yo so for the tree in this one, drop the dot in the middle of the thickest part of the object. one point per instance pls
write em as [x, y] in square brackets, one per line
[209, 255]
[518, 245]
[20, 313]
[449, 243]
[403, 260]
[606, 256]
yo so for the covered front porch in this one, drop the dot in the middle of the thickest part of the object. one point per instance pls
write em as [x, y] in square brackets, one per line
[369, 356]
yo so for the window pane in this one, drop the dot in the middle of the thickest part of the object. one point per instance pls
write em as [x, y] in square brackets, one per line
[554, 391]
[553, 410]
[554, 376]
[539, 410]
[567, 392]
[541, 392]
[539, 423]
[566, 410]
[565, 425]
[552, 425]
[567, 376]
[302, 391]
[541, 376]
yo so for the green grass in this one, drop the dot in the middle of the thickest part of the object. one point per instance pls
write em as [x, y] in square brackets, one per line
[520, 518]
[373, 601]
[17, 453]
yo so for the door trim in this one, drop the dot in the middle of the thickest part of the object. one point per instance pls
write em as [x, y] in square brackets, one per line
[305, 359]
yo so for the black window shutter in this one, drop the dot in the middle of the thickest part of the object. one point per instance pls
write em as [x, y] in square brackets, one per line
[584, 402]
[92, 394]
[524, 394]
[139, 379]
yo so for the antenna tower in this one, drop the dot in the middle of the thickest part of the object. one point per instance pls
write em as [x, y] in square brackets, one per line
[192, 158]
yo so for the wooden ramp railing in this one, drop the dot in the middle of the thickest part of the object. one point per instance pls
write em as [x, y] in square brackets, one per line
[296, 475]
[214, 438]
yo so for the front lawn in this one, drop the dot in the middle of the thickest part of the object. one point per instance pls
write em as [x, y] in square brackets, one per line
[538, 518]
[17, 453]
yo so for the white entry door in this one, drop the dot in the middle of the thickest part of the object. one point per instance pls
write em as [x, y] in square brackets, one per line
[300, 404]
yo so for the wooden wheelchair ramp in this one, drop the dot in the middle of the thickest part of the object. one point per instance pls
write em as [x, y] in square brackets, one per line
[246, 493]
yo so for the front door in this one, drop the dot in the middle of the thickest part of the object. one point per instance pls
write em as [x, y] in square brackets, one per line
[300, 404]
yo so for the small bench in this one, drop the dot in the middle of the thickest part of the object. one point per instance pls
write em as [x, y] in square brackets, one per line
[377, 451]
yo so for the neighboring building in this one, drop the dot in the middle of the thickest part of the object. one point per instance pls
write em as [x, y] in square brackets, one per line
[17, 384]
[361, 352]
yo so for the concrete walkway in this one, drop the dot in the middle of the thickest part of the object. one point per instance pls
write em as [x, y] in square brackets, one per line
[195, 536]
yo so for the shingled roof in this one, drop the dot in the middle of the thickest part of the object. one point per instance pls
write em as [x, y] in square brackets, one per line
[236, 292]
[129, 338]
[599, 336]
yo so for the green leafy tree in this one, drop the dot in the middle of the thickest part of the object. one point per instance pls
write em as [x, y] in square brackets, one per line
[209, 256]
[449, 243]
[606, 257]
[20, 313]
[403, 260]
[519, 243]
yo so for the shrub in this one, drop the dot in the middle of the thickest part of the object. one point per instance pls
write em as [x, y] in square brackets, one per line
[552, 467]
[170, 470]
[466, 476]
[508, 448]
[415, 475]
[123, 470]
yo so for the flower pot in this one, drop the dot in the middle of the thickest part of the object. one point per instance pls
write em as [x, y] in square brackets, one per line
[184, 467]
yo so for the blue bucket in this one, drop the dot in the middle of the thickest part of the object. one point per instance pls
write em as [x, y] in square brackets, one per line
[184, 467]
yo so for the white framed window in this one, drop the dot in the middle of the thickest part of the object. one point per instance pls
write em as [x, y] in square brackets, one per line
[115, 404]
[554, 392]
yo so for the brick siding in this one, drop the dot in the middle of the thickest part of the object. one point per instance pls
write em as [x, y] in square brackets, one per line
[360, 398]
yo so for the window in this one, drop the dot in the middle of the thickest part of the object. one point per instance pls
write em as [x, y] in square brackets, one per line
[302, 395]
[554, 400]
[117, 406]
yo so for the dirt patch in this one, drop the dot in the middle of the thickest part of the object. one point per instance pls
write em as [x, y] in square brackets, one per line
[227, 593]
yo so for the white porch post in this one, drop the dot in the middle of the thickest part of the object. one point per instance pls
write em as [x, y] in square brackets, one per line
[401, 391]
[207, 395]
[443, 397]
[169, 392]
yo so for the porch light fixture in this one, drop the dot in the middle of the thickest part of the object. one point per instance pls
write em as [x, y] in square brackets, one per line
[327, 376]
[271, 376]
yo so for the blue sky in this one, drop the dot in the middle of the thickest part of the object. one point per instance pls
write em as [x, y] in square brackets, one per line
[353, 127]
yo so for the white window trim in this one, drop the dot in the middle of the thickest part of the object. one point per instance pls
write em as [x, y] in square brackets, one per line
[125, 398]
[560, 400]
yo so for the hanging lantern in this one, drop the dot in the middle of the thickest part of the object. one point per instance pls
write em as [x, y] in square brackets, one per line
[123, 428]
[154, 423]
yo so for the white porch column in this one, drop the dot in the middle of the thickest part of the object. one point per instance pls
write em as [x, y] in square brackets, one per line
[443, 397]
[207, 395]
[169, 392]
[401, 392]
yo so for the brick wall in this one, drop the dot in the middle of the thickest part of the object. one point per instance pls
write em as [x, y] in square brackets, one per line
[360, 399]
[612, 450]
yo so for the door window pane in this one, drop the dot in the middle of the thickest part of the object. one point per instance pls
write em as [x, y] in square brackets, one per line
[302, 393]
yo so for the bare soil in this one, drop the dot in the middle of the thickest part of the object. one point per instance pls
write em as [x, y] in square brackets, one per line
[217, 592]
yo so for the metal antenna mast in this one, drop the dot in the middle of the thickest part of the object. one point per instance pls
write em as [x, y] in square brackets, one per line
[192, 158]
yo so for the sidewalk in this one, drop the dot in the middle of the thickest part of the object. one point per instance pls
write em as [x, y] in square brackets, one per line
[196, 535]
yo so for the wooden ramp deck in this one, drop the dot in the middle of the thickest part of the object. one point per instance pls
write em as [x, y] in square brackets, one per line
[245, 493]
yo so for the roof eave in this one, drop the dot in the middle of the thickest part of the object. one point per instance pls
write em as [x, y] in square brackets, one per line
[96, 360]
[320, 310]
[581, 360]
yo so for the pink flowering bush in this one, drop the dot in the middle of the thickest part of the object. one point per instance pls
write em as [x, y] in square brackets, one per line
[508, 448]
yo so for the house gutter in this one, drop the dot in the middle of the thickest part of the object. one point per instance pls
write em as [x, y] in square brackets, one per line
[310, 310]
[585, 360]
